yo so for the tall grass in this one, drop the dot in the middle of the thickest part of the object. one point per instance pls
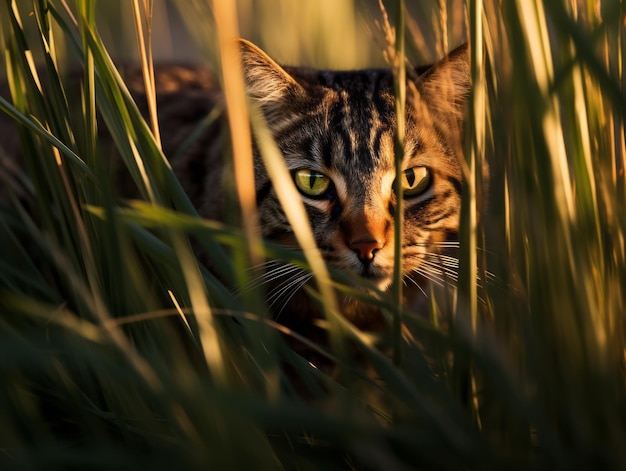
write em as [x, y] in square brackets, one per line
[118, 348]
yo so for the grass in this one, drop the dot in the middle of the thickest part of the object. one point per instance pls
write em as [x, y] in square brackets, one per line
[118, 349]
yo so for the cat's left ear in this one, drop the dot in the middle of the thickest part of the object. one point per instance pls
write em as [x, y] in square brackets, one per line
[446, 84]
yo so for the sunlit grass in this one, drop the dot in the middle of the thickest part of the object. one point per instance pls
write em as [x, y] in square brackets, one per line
[118, 347]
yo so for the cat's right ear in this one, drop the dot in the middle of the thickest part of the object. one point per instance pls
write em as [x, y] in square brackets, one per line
[266, 81]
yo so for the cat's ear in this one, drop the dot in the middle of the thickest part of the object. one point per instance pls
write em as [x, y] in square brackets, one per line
[266, 81]
[446, 84]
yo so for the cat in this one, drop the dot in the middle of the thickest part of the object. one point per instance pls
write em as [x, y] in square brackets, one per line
[336, 131]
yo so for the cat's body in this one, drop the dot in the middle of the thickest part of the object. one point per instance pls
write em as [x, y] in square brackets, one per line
[336, 132]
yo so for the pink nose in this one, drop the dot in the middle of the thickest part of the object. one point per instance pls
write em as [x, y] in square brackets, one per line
[366, 249]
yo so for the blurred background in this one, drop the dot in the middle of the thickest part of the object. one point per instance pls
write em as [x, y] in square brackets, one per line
[339, 34]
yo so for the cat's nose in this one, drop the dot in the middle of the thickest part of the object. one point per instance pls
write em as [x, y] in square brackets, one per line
[366, 248]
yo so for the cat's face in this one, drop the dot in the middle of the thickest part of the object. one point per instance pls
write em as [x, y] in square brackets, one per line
[336, 133]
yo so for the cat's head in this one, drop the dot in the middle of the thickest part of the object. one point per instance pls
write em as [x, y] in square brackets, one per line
[336, 133]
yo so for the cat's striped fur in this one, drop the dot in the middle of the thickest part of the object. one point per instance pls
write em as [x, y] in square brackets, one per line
[341, 125]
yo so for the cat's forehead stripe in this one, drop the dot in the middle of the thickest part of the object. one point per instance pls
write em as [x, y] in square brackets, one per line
[358, 113]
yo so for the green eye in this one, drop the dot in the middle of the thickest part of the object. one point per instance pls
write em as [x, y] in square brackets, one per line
[415, 181]
[311, 183]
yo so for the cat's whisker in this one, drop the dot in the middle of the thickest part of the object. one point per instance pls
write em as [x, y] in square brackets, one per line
[431, 275]
[305, 278]
[448, 268]
[408, 277]
[445, 244]
[287, 290]
[453, 263]
[284, 287]
[490, 276]
[280, 270]
[446, 259]
[266, 264]
[444, 279]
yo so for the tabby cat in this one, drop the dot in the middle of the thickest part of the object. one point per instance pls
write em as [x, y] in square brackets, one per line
[335, 130]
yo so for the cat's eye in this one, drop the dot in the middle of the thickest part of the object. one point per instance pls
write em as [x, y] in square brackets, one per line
[311, 183]
[415, 181]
